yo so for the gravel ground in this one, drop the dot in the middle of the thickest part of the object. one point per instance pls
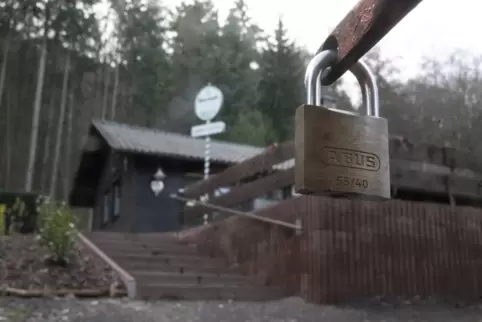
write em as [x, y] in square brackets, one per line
[289, 310]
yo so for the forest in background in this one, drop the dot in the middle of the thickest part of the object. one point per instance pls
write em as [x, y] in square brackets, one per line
[62, 64]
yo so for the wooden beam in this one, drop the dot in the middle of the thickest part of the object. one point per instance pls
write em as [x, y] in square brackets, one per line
[434, 169]
[248, 191]
[430, 180]
[247, 168]
[435, 183]
[402, 149]
[415, 167]
[463, 160]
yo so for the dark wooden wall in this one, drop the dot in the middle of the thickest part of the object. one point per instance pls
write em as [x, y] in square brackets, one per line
[104, 186]
[141, 210]
[127, 219]
[352, 250]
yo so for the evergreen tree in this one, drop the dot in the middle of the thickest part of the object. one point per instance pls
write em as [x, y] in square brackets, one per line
[195, 47]
[240, 39]
[281, 88]
[143, 62]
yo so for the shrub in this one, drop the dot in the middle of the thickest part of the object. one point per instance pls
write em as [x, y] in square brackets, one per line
[18, 214]
[3, 220]
[56, 229]
[12, 218]
[26, 203]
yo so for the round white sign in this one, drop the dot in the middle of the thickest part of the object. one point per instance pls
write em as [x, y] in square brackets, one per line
[208, 102]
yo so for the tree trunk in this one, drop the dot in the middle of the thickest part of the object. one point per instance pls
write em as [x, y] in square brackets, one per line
[8, 140]
[106, 89]
[122, 102]
[35, 117]
[99, 91]
[114, 93]
[60, 127]
[44, 180]
[3, 72]
[68, 145]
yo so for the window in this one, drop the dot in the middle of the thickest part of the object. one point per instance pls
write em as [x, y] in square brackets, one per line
[106, 211]
[117, 201]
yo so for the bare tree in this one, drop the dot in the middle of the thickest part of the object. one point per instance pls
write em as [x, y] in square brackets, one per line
[114, 92]
[447, 96]
[68, 144]
[106, 89]
[36, 115]
[48, 139]
[120, 21]
[8, 140]
[60, 127]
[3, 72]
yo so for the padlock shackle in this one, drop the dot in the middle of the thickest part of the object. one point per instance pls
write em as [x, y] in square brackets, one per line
[319, 66]
[368, 82]
[365, 92]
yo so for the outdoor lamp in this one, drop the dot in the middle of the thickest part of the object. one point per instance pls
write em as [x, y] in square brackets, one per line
[156, 184]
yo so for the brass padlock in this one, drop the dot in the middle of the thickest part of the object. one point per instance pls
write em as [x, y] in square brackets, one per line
[339, 153]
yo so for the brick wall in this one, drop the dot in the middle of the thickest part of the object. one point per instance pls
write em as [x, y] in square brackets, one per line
[352, 249]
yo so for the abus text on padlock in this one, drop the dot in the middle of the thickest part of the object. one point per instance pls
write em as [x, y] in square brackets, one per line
[350, 158]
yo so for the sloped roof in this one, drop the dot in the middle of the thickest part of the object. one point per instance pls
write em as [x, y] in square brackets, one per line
[145, 141]
[141, 140]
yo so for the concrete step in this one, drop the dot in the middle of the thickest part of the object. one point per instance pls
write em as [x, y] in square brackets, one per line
[106, 235]
[174, 260]
[147, 238]
[191, 278]
[116, 247]
[170, 268]
[210, 292]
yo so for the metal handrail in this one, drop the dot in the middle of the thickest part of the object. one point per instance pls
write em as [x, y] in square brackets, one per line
[296, 226]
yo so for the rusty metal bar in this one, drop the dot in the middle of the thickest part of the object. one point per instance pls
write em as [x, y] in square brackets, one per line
[296, 226]
[361, 29]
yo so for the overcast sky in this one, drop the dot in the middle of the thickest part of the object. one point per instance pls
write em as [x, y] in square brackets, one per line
[433, 28]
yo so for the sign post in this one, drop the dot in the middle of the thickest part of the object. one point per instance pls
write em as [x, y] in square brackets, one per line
[207, 104]
[208, 129]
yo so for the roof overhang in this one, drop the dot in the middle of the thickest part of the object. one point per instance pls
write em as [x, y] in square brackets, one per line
[93, 143]
[94, 153]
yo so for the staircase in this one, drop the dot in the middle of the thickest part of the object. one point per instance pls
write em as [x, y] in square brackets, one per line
[166, 268]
